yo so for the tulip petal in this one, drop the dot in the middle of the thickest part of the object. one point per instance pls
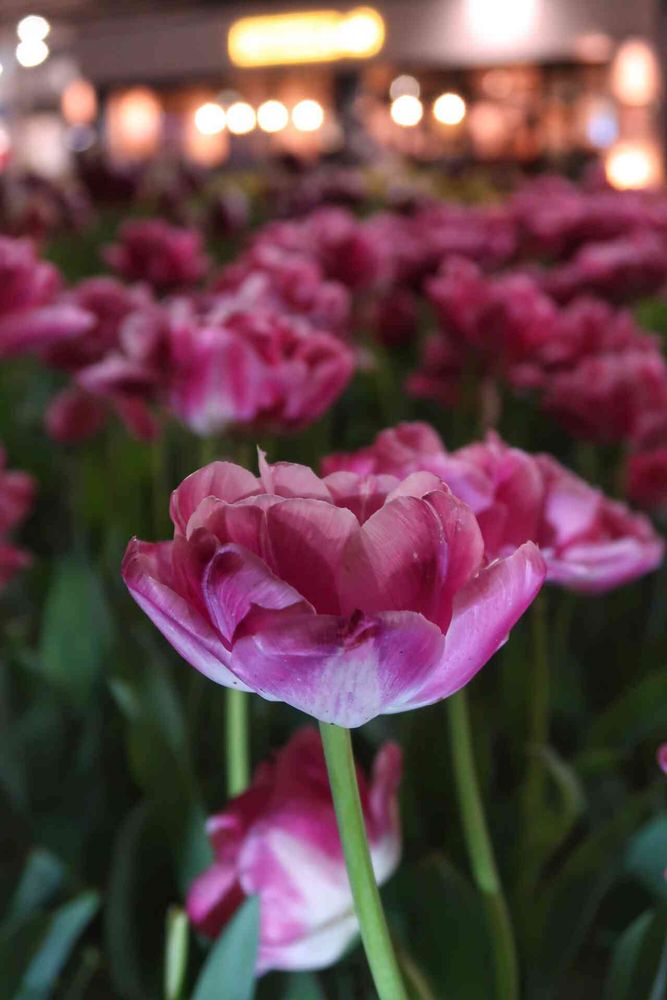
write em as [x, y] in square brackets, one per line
[149, 577]
[595, 567]
[307, 540]
[338, 670]
[234, 581]
[397, 561]
[484, 612]
[219, 479]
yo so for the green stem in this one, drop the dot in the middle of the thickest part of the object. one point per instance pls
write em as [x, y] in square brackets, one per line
[480, 850]
[236, 734]
[374, 932]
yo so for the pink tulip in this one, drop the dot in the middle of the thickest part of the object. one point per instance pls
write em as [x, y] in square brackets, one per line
[647, 479]
[589, 543]
[662, 757]
[502, 320]
[164, 256]
[266, 277]
[606, 397]
[252, 369]
[31, 318]
[620, 270]
[17, 492]
[109, 302]
[279, 841]
[346, 597]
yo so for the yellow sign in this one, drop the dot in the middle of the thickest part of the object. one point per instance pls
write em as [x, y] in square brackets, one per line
[313, 36]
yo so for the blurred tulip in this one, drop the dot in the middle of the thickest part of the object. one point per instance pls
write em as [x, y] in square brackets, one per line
[279, 841]
[164, 256]
[252, 369]
[17, 493]
[589, 543]
[30, 315]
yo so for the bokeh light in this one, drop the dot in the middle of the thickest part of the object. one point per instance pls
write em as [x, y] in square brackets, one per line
[272, 116]
[407, 111]
[240, 118]
[449, 109]
[210, 118]
[307, 116]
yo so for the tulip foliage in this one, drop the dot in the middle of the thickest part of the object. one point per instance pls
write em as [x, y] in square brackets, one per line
[300, 453]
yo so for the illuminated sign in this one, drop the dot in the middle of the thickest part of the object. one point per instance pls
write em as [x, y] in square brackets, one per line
[312, 36]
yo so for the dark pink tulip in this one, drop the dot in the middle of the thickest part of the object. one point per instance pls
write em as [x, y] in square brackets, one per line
[347, 250]
[502, 320]
[589, 543]
[109, 302]
[647, 479]
[346, 597]
[661, 757]
[253, 368]
[74, 415]
[164, 256]
[30, 315]
[17, 493]
[266, 277]
[279, 841]
[605, 397]
[620, 270]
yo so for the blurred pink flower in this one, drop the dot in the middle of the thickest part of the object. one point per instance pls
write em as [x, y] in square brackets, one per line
[589, 543]
[279, 841]
[606, 397]
[31, 317]
[266, 277]
[109, 302]
[502, 320]
[252, 368]
[17, 493]
[164, 256]
[647, 479]
[346, 597]
[620, 270]
[661, 757]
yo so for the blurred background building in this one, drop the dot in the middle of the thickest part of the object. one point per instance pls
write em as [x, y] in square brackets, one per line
[540, 83]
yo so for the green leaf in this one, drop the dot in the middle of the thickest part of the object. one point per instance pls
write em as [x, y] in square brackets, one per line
[639, 961]
[646, 857]
[42, 876]
[63, 929]
[637, 714]
[120, 912]
[567, 903]
[176, 954]
[445, 928]
[302, 986]
[76, 630]
[229, 971]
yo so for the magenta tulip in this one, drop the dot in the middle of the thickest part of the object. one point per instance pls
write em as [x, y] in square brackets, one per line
[164, 256]
[346, 597]
[31, 317]
[589, 542]
[279, 841]
[17, 492]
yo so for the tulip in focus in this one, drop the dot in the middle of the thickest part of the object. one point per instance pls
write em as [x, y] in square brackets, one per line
[279, 841]
[346, 597]
[164, 256]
